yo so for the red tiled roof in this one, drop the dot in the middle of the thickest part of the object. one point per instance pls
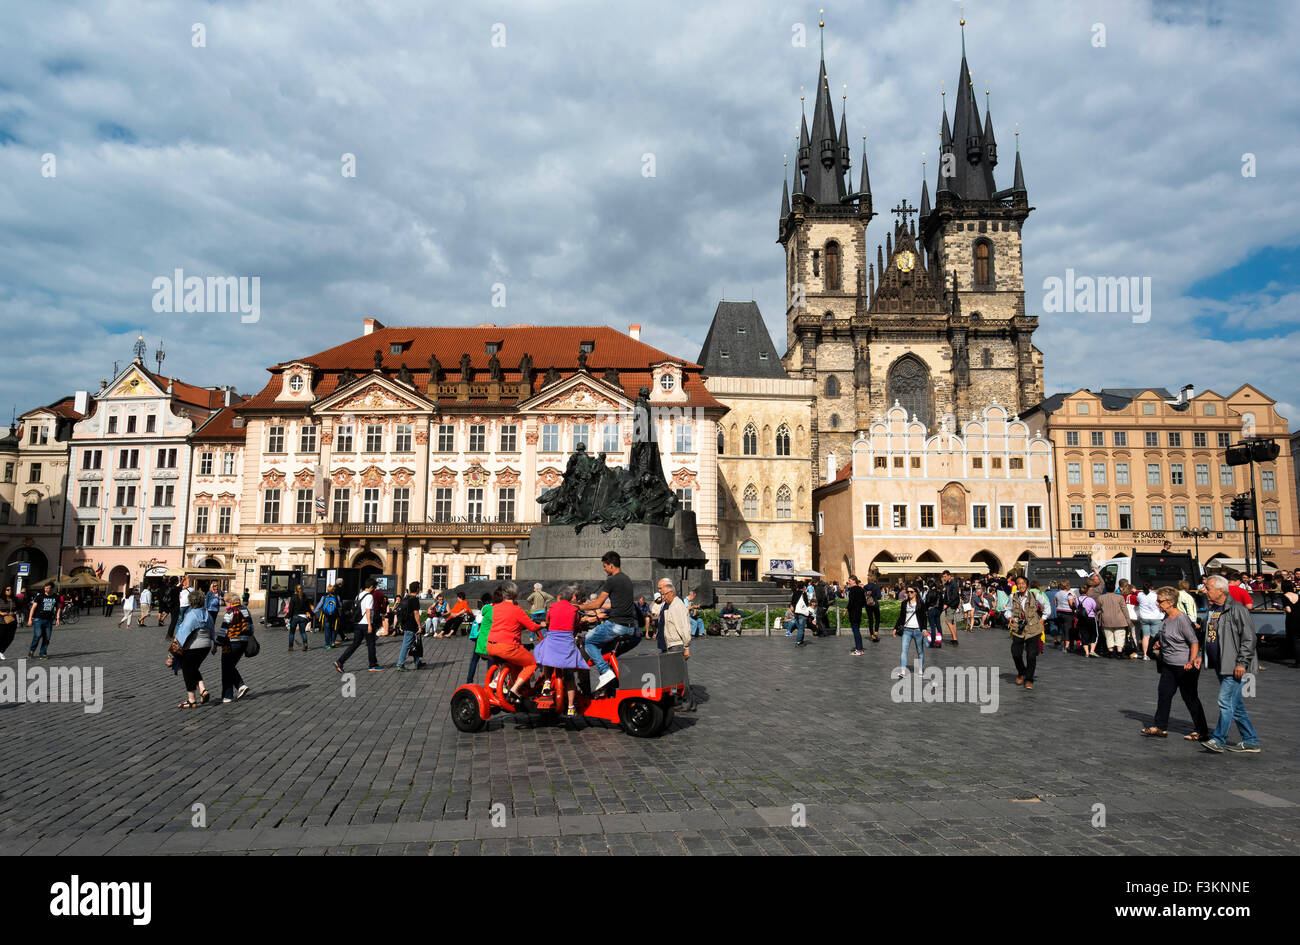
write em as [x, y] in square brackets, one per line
[62, 408]
[220, 427]
[203, 397]
[845, 473]
[549, 346]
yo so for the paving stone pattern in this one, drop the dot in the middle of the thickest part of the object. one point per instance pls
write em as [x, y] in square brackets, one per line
[296, 768]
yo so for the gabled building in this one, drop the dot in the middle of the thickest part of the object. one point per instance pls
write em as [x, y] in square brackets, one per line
[129, 474]
[33, 491]
[420, 452]
[765, 466]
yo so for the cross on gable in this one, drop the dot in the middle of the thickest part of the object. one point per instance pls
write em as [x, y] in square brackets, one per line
[903, 210]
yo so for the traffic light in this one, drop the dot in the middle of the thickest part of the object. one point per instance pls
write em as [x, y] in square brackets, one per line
[1243, 508]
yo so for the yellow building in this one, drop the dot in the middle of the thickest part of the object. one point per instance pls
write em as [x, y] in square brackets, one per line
[1135, 467]
[913, 503]
[765, 466]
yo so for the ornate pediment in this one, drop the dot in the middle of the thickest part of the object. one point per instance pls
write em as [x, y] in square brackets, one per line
[272, 478]
[476, 475]
[446, 476]
[373, 394]
[905, 285]
[580, 393]
[135, 383]
[371, 476]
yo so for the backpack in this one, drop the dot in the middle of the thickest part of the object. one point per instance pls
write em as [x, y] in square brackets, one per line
[330, 605]
[352, 610]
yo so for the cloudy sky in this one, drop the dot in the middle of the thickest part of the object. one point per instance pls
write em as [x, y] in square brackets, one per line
[505, 143]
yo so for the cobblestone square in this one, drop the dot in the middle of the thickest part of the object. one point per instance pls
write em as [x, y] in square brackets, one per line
[783, 736]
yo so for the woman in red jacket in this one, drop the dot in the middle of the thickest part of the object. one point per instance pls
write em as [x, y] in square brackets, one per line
[505, 640]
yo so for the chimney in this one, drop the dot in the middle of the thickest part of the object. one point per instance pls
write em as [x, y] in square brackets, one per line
[634, 331]
[81, 403]
[171, 385]
[1187, 393]
[831, 471]
[227, 397]
[371, 324]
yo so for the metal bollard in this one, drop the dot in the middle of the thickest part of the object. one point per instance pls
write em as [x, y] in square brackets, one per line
[838, 612]
[767, 620]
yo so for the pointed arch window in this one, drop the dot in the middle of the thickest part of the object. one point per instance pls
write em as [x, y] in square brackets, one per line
[783, 502]
[783, 440]
[751, 441]
[721, 443]
[750, 506]
[986, 358]
[833, 266]
[983, 264]
[908, 384]
[832, 386]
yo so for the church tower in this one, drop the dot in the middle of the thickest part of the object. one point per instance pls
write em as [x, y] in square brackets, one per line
[823, 233]
[934, 319]
[973, 235]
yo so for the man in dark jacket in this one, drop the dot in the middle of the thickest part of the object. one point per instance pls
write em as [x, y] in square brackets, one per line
[950, 594]
[857, 602]
[821, 600]
[1230, 652]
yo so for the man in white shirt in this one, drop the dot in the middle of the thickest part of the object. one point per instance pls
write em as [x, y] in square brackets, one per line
[365, 630]
[128, 608]
[677, 633]
[146, 604]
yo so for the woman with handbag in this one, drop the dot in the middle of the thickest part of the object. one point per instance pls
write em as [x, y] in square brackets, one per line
[233, 638]
[8, 620]
[1178, 658]
[190, 649]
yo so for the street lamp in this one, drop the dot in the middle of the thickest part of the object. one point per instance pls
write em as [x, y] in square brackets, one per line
[1197, 534]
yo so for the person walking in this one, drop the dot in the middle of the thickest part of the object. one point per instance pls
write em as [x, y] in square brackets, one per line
[950, 598]
[194, 636]
[911, 627]
[128, 608]
[677, 635]
[1230, 652]
[1177, 650]
[236, 628]
[145, 605]
[407, 615]
[802, 609]
[299, 616]
[1065, 601]
[178, 594]
[871, 595]
[8, 620]
[1025, 618]
[856, 604]
[212, 603]
[330, 610]
[1113, 618]
[1149, 617]
[43, 615]
[365, 630]
[1292, 608]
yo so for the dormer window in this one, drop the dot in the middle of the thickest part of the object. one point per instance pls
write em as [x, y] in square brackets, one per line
[295, 383]
[492, 347]
[724, 353]
[587, 347]
[762, 356]
[667, 382]
[740, 329]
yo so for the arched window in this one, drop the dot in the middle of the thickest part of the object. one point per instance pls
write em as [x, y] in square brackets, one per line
[722, 501]
[751, 502]
[986, 358]
[751, 441]
[783, 440]
[832, 386]
[835, 421]
[783, 502]
[984, 264]
[721, 443]
[908, 383]
[833, 266]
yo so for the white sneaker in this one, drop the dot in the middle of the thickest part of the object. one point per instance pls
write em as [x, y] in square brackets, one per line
[606, 678]
[2, 656]
[241, 692]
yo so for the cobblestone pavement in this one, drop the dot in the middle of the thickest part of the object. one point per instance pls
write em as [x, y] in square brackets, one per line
[297, 768]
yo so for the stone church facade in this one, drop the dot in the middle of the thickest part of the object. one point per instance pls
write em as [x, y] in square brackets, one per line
[933, 319]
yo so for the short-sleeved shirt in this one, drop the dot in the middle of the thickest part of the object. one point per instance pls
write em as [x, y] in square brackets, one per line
[1241, 595]
[367, 605]
[406, 611]
[46, 606]
[622, 602]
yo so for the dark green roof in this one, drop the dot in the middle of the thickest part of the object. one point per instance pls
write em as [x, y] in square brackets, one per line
[738, 344]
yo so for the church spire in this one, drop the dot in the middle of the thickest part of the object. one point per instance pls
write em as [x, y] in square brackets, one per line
[785, 196]
[825, 183]
[973, 179]
[990, 143]
[925, 198]
[1018, 185]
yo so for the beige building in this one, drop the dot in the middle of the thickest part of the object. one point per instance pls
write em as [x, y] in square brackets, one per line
[420, 452]
[1134, 467]
[912, 502]
[765, 467]
[33, 491]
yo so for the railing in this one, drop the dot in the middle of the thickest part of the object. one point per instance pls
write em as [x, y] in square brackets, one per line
[416, 529]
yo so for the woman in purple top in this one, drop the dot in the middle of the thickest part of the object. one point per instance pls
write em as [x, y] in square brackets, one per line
[1085, 614]
[558, 649]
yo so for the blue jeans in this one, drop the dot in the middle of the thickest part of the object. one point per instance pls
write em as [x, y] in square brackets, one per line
[408, 640]
[800, 625]
[329, 625]
[933, 615]
[697, 627]
[42, 628]
[602, 633]
[910, 637]
[300, 623]
[1232, 708]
